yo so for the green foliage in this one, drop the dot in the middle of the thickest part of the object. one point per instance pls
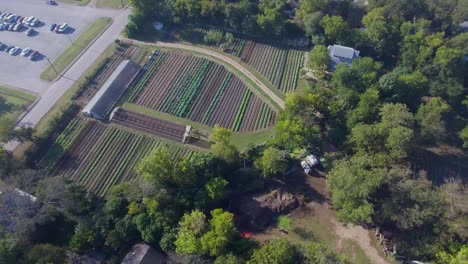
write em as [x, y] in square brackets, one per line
[319, 60]
[312, 23]
[216, 188]
[335, 28]
[45, 254]
[271, 162]
[352, 181]
[222, 147]
[215, 242]
[229, 259]
[367, 109]
[311, 6]
[276, 252]
[430, 120]
[214, 37]
[285, 222]
[158, 167]
[191, 228]
[463, 134]
[315, 253]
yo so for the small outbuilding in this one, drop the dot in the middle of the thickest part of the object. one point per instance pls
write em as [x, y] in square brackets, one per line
[342, 54]
[144, 254]
[113, 88]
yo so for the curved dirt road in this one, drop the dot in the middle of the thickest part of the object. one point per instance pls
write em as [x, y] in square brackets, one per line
[224, 58]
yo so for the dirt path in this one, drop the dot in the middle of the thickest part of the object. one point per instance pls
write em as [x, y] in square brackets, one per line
[225, 59]
[358, 234]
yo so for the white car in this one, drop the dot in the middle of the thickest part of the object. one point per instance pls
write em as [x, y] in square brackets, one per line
[306, 167]
[14, 50]
[312, 160]
[63, 27]
[25, 52]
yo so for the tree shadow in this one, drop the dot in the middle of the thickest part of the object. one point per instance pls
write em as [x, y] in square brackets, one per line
[6, 107]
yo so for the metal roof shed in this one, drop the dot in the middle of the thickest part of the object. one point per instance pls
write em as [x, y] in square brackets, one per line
[112, 89]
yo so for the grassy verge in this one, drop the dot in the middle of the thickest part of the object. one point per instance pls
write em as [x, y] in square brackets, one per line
[234, 70]
[112, 3]
[13, 102]
[76, 2]
[241, 140]
[74, 50]
[65, 101]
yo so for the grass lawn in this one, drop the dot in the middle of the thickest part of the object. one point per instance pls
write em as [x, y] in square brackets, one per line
[74, 50]
[112, 3]
[77, 2]
[13, 102]
[241, 140]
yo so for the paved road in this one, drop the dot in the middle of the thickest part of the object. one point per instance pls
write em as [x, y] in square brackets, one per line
[225, 59]
[53, 94]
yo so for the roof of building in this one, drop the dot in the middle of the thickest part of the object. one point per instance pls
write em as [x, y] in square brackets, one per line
[112, 89]
[342, 54]
[144, 254]
[463, 26]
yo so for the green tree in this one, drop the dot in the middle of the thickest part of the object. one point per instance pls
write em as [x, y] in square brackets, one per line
[216, 188]
[271, 162]
[229, 259]
[463, 134]
[310, 6]
[45, 254]
[312, 23]
[276, 252]
[319, 60]
[335, 28]
[7, 126]
[430, 120]
[158, 167]
[315, 253]
[222, 147]
[367, 109]
[191, 227]
[216, 241]
[352, 181]
[272, 20]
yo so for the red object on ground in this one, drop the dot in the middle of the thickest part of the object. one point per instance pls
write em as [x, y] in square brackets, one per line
[246, 235]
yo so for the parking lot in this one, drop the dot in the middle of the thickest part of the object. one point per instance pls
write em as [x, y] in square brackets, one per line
[19, 71]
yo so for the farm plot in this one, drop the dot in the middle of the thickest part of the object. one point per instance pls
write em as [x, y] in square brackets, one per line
[200, 90]
[123, 52]
[280, 66]
[277, 64]
[100, 156]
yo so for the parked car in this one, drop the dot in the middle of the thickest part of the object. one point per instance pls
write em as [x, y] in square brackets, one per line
[34, 22]
[312, 160]
[306, 167]
[17, 27]
[2, 46]
[9, 48]
[51, 2]
[14, 50]
[62, 28]
[33, 55]
[25, 52]
[52, 27]
[29, 32]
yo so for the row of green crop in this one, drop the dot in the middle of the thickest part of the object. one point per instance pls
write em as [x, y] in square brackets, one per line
[241, 112]
[133, 93]
[216, 98]
[115, 159]
[62, 143]
[186, 100]
[183, 80]
[278, 69]
[294, 63]
[263, 117]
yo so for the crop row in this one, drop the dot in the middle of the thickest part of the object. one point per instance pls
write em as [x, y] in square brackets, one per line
[241, 112]
[60, 145]
[100, 156]
[200, 90]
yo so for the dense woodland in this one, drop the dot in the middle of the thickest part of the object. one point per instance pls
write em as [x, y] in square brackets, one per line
[408, 91]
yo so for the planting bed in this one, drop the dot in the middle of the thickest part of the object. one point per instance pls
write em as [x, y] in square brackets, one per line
[100, 156]
[150, 125]
[276, 63]
[200, 90]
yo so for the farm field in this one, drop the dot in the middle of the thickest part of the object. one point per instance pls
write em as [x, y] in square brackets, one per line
[13, 102]
[277, 64]
[99, 156]
[200, 90]
[107, 67]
